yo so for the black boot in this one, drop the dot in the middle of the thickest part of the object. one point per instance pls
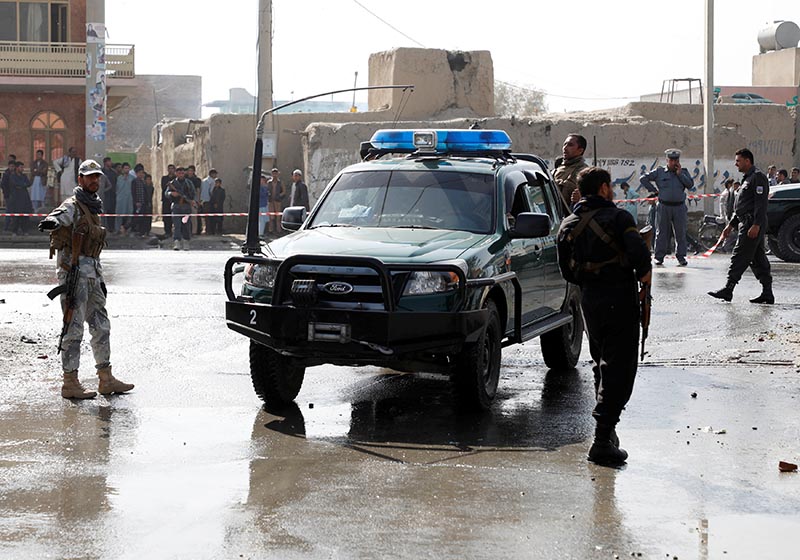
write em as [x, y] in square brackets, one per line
[766, 296]
[614, 437]
[725, 293]
[603, 451]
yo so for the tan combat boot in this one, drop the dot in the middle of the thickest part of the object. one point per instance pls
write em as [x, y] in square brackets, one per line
[72, 388]
[110, 384]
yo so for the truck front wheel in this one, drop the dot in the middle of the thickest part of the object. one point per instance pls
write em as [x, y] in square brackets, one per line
[277, 379]
[561, 348]
[477, 368]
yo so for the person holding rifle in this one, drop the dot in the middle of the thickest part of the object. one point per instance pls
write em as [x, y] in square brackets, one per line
[78, 237]
[600, 250]
[181, 192]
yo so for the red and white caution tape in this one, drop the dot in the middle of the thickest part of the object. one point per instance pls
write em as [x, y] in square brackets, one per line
[706, 254]
[206, 214]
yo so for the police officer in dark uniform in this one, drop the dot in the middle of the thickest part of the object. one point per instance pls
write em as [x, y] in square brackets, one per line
[600, 249]
[750, 216]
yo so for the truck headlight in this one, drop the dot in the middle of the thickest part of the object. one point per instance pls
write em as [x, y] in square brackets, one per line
[261, 275]
[430, 282]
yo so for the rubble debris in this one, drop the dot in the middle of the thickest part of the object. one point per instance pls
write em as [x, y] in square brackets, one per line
[785, 466]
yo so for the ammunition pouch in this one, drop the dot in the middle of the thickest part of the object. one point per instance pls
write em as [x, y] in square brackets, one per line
[94, 239]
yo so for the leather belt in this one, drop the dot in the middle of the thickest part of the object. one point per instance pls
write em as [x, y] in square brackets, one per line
[681, 203]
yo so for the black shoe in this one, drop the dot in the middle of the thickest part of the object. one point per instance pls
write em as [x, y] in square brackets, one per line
[607, 454]
[682, 262]
[725, 293]
[614, 438]
[659, 262]
[766, 297]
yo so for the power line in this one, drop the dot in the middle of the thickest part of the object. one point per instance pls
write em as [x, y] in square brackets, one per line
[379, 18]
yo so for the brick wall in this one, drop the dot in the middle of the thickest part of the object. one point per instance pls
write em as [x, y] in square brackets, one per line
[77, 21]
[24, 106]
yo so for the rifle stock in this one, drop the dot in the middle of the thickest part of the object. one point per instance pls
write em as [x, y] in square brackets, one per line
[71, 284]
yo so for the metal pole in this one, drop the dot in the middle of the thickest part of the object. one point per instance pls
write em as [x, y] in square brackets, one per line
[708, 108]
[264, 56]
[355, 84]
[96, 89]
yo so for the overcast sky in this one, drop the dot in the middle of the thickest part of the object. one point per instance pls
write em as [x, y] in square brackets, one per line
[595, 55]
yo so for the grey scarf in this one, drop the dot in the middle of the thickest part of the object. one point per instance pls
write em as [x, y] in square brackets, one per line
[90, 200]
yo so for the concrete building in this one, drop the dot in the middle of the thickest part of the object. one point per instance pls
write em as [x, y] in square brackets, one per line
[151, 100]
[43, 77]
[43, 61]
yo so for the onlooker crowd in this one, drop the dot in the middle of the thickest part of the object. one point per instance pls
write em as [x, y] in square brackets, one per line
[128, 195]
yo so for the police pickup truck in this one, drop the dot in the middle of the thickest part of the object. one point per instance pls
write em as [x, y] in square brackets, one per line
[431, 255]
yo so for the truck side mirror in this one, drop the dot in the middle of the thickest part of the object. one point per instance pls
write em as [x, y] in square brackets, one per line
[530, 225]
[293, 217]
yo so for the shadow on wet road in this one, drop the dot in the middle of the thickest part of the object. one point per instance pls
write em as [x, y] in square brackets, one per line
[413, 410]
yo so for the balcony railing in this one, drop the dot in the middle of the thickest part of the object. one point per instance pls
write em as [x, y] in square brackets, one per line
[61, 60]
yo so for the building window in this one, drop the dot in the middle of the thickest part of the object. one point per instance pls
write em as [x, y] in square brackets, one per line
[3, 144]
[33, 22]
[49, 134]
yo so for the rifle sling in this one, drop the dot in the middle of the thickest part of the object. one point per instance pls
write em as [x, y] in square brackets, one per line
[587, 220]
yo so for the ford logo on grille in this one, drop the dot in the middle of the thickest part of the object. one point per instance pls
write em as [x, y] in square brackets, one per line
[337, 288]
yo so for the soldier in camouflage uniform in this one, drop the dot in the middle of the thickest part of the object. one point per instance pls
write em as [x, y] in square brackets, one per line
[81, 212]
[568, 166]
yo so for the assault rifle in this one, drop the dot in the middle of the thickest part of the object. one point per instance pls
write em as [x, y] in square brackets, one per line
[645, 297]
[70, 286]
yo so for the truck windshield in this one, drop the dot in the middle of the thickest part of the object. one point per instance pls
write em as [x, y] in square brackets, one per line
[424, 199]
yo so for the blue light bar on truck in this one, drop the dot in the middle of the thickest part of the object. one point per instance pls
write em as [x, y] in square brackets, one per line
[441, 140]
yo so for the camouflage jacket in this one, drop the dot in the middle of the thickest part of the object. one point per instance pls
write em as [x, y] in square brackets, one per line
[566, 177]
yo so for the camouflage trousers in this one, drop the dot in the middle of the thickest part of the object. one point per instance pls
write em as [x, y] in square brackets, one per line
[91, 309]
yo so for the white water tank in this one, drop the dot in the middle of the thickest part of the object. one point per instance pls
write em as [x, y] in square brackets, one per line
[779, 35]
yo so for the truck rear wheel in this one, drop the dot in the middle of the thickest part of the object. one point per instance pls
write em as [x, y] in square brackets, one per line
[789, 239]
[276, 379]
[477, 370]
[772, 243]
[561, 348]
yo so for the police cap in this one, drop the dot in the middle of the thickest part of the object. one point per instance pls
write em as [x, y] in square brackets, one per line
[89, 167]
[673, 153]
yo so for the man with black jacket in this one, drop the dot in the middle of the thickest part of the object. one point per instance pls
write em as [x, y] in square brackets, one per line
[750, 216]
[166, 201]
[600, 249]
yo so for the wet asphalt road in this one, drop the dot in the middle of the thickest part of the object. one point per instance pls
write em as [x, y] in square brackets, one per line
[372, 464]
